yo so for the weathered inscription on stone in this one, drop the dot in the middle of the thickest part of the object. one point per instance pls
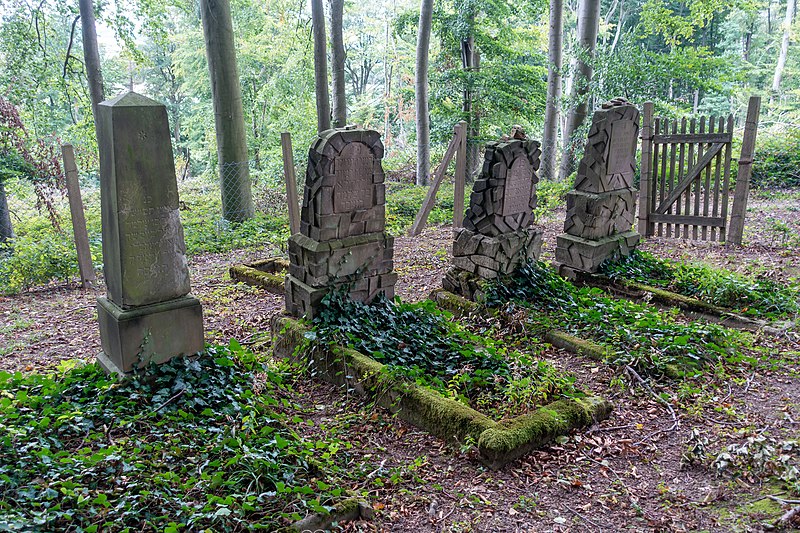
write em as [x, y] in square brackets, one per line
[622, 147]
[519, 181]
[353, 171]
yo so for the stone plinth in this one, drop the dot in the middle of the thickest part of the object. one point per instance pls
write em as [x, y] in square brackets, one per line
[602, 207]
[342, 240]
[497, 235]
[147, 315]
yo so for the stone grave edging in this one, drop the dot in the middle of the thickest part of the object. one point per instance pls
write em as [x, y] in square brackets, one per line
[498, 442]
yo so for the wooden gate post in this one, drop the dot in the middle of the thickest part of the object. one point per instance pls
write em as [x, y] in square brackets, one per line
[291, 182]
[645, 203]
[739, 208]
[460, 177]
[459, 131]
[85, 267]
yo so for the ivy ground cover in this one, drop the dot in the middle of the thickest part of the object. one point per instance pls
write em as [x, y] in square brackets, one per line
[190, 445]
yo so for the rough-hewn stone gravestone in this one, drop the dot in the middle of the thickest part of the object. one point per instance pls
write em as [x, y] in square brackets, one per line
[602, 207]
[148, 314]
[342, 221]
[497, 236]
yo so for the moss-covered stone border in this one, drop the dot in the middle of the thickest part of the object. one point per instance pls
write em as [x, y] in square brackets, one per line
[269, 274]
[692, 307]
[347, 511]
[498, 442]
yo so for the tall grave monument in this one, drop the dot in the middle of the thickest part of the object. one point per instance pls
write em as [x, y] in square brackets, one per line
[148, 314]
[602, 207]
[342, 241]
[497, 235]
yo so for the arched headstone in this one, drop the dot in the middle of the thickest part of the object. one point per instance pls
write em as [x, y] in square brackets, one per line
[497, 234]
[342, 240]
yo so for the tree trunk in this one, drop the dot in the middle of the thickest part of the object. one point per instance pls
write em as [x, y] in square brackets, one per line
[550, 134]
[787, 33]
[588, 22]
[91, 54]
[337, 65]
[320, 66]
[6, 229]
[226, 94]
[421, 93]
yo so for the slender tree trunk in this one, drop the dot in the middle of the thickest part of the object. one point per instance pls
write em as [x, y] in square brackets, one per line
[6, 229]
[320, 66]
[337, 65]
[421, 93]
[470, 61]
[588, 22]
[784, 52]
[226, 93]
[550, 134]
[91, 53]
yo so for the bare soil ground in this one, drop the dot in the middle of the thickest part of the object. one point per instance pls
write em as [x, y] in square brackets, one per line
[624, 474]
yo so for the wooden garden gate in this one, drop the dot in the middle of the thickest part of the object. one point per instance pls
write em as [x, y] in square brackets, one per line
[685, 176]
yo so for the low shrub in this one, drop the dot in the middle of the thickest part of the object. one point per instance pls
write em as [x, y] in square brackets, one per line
[776, 163]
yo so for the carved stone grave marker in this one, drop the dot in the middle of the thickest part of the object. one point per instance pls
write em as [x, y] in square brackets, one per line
[602, 207]
[497, 237]
[342, 239]
[148, 314]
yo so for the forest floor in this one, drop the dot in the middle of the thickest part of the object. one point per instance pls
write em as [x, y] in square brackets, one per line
[630, 472]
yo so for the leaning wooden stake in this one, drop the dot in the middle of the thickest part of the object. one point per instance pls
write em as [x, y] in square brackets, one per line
[78, 218]
[430, 198]
[460, 178]
[739, 207]
[291, 182]
[644, 183]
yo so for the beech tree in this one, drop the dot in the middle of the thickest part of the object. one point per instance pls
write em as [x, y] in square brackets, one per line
[784, 50]
[320, 66]
[588, 22]
[234, 171]
[337, 64]
[550, 132]
[421, 93]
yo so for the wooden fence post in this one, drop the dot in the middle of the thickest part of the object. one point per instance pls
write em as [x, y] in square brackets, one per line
[430, 198]
[85, 267]
[645, 228]
[291, 182]
[460, 177]
[739, 208]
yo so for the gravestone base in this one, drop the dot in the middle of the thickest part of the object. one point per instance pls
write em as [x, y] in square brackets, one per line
[491, 257]
[588, 254]
[156, 332]
[363, 263]
[597, 215]
[463, 283]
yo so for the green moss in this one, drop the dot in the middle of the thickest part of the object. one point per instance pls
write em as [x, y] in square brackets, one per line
[454, 303]
[498, 443]
[269, 281]
[577, 345]
[512, 438]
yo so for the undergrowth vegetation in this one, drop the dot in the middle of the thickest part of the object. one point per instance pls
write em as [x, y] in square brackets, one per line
[635, 334]
[745, 294]
[187, 445]
[419, 342]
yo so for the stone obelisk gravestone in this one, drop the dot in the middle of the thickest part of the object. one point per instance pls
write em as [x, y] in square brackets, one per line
[497, 235]
[148, 314]
[602, 207]
[342, 240]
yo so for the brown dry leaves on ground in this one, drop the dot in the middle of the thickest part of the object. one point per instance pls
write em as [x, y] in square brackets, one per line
[623, 474]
